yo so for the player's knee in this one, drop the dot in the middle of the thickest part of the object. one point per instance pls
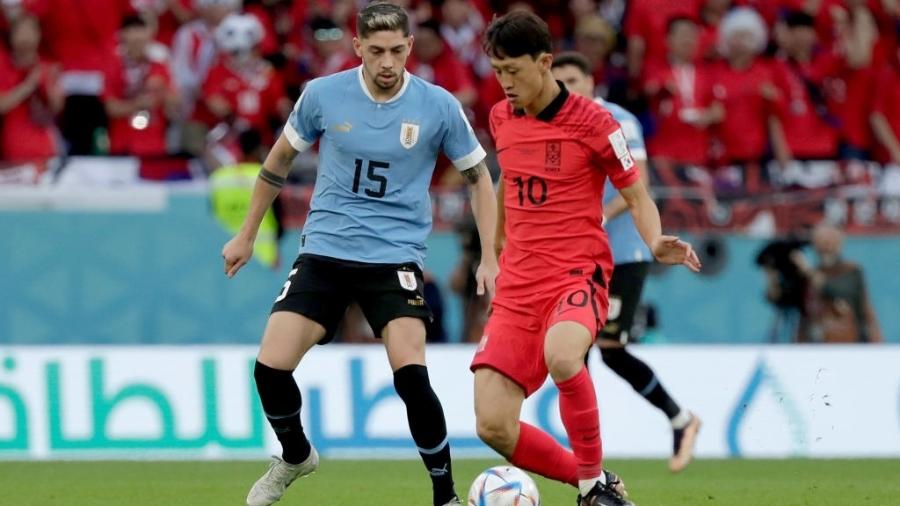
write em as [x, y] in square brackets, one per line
[563, 364]
[496, 432]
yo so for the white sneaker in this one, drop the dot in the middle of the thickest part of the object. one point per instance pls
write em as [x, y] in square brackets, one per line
[269, 489]
[454, 502]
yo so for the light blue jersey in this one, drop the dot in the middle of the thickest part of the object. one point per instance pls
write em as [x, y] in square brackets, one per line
[371, 201]
[624, 239]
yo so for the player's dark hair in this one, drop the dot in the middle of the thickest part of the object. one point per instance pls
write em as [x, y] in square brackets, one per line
[132, 21]
[675, 20]
[516, 34]
[574, 59]
[381, 16]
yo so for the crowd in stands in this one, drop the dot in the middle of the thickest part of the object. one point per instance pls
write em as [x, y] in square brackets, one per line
[715, 82]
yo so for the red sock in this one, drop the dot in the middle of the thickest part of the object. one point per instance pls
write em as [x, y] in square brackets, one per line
[538, 452]
[581, 418]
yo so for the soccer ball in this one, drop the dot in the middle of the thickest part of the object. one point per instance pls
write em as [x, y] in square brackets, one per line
[504, 486]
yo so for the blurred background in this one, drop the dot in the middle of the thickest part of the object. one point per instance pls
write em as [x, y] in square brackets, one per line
[131, 132]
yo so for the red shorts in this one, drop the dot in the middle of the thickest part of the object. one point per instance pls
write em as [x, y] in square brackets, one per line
[513, 340]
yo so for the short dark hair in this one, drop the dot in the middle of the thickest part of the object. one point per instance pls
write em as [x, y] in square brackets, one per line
[574, 59]
[679, 19]
[516, 34]
[131, 21]
[381, 16]
[794, 19]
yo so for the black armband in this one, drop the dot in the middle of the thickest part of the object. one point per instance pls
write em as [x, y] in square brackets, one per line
[272, 178]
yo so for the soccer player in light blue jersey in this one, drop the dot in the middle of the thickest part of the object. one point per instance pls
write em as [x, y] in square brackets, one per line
[380, 131]
[632, 261]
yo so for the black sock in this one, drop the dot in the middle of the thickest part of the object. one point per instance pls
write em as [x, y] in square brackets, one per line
[641, 378]
[281, 403]
[428, 427]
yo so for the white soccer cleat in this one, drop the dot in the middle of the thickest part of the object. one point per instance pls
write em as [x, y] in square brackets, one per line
[454, 502]
[269, 489]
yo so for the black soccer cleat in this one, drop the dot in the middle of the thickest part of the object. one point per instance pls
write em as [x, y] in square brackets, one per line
[605, 495]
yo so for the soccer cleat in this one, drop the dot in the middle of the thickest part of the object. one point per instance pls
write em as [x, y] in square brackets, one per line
[454, 502]
[611, 494]
[613, 480]
[683, 442]
[269, 489]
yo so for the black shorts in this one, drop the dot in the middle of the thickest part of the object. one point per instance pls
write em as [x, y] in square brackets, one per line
[320, 288]
[625, 289]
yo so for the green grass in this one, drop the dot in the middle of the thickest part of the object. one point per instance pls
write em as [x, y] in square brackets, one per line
[377, 483]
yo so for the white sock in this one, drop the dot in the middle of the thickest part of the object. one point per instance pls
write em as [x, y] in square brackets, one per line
[585, 486]
[681, 420]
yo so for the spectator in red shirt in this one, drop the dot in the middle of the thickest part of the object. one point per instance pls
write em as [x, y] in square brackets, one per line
[332, 49]
[711, 14]
[461, 27]
[810, 129]
[885, 114]
[680, 94]
[140, 97]
[744, 84]
[30, 96]
[436, 63]
[849, 85]
[645, 27]
[243, 90]
[81, 36]
[595, 40]
[164, 16]
[194, 51]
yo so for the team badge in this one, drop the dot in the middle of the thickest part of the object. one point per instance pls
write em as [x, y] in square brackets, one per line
[409, 134]
[407, 280]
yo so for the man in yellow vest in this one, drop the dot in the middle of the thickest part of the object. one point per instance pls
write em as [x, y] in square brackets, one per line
[230, 188]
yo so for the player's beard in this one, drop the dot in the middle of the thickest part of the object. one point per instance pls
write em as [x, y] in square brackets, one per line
[387, 83]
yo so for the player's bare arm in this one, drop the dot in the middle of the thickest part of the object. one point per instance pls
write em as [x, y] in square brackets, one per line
[484, 208]
[617, 205]
[500, 237]
[272, 177]
[666, 248]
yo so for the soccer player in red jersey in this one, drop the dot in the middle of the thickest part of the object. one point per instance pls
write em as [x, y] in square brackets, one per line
[556, 150]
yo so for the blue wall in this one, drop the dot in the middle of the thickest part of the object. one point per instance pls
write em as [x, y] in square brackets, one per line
[156, 277]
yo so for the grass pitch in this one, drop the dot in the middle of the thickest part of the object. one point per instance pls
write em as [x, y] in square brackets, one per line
[393, 483]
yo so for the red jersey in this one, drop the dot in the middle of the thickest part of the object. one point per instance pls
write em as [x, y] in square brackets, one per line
[649, 20]
[554, 169]
[127, 80]
[807, 132]
[81, 34]
[744, 131]
[253, 96]
[28, 131]
[887, 102]
[446, 71]
[684, 92]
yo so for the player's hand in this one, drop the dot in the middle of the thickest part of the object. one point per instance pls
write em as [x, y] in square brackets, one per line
[673, 251]
[237, 253]
[486, 276]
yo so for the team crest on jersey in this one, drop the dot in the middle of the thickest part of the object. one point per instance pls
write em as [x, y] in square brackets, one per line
[409, 134]
[407, 280]
[553, 154]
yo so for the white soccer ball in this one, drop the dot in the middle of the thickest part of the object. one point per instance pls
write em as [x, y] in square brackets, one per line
[504, 486]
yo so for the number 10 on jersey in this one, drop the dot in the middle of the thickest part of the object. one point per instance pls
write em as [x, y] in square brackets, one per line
[378, 179]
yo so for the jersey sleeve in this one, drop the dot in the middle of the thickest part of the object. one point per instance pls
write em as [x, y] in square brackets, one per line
[634, 136]
[610, 147]
[460, 144]
[304, 125]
